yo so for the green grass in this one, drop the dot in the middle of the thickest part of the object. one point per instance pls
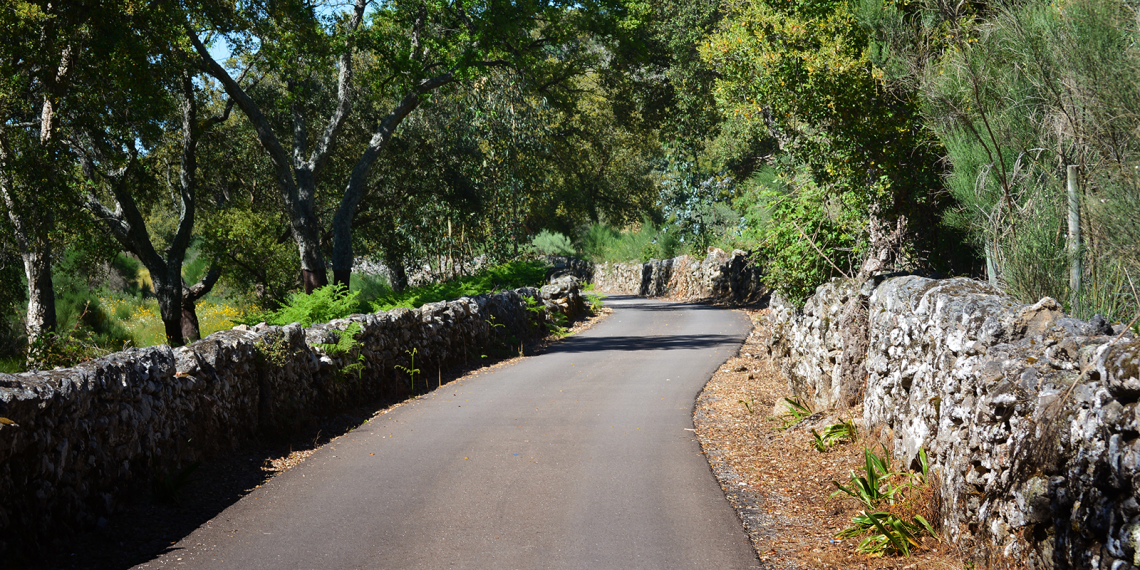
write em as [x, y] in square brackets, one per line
[601, 243]
[11, 365]
[125, 318]
[508, 276]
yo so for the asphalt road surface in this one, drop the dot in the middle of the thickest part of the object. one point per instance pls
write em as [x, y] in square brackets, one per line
[582, 457]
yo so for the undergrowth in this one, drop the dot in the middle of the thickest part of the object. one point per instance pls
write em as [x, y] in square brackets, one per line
[502, 277]
[346, 342]
[896, 506]
[321, 306]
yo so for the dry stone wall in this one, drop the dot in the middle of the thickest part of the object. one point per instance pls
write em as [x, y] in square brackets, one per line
[88, 436]
[1029, 417]
[720, 276]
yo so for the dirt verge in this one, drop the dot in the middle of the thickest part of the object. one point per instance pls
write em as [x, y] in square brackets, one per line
[779, 483]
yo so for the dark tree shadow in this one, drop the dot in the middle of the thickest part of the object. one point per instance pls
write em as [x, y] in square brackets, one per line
[579, 344]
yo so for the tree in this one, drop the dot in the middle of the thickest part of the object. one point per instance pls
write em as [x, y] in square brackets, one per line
[37, 62]
[848, 148]
[413, 48]
[125, 222]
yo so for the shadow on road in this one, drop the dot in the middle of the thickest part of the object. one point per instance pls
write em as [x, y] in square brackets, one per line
[630, 343]
[653, 305]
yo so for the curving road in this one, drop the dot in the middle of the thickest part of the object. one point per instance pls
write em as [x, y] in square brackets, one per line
[582, 457]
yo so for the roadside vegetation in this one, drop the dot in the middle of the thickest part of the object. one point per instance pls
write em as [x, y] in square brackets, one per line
[276, 150]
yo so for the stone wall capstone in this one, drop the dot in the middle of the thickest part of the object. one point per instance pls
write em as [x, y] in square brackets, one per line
[88, 436]
[1029, 417]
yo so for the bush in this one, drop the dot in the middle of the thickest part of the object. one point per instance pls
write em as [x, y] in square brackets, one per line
[1016, 92]
[803, 234]
[370, 287]
[602, 243]
[552, 243]
[79, 312]
[507, 276]
[321, 306]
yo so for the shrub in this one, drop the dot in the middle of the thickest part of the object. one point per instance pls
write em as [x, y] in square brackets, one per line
[601, 243]
[552, 243]
[322, 305]
[507, 276]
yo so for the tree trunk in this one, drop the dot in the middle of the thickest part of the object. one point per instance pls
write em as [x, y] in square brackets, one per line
[31, 214]
[342, 278]
[41, 295]
[191, 331]
[190, 296]
[169, 307]
[396, 271]
[32, 239]
[354, 191]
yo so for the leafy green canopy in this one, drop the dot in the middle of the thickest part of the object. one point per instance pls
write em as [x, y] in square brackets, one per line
[800, 73]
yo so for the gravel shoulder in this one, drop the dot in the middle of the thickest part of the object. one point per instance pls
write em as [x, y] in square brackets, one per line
[778, 482]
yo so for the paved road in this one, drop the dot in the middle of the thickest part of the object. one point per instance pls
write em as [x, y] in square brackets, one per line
[582, 457]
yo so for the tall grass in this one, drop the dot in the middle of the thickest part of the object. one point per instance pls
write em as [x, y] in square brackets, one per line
[601, 243]
[1017, 92]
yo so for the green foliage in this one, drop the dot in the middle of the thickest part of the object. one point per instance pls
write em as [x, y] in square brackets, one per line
[369, 288]
[323, 305]
[749, 404]
[11, 365]
[887, 534]
[273, 349]
[243, 236]
[796, 411]
[695, 205]
[507, 276]
[1016, 92]
[85, 329]
[894, 532]
[51, 350]
[844, 148]
[601, 243]
[552, 243]
[13, 298]
[600, 156]
[346, 342]
[834, 434]
[555, 321]
[804, 234]
[593, 298]
[411, 369]
[874, 486]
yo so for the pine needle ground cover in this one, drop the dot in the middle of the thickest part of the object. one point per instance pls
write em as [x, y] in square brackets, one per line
[778, 480]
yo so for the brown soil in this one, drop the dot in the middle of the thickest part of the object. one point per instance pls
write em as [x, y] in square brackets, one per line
[779, 483]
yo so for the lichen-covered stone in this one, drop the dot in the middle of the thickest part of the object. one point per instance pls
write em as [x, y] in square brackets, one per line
[1029, 417]
[84, 437]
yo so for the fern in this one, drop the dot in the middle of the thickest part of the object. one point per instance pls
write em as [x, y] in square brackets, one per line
[323, 305]
[345, 343]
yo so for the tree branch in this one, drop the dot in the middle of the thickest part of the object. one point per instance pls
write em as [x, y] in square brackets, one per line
[281, 163]
[190, 295]
[343, 94]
